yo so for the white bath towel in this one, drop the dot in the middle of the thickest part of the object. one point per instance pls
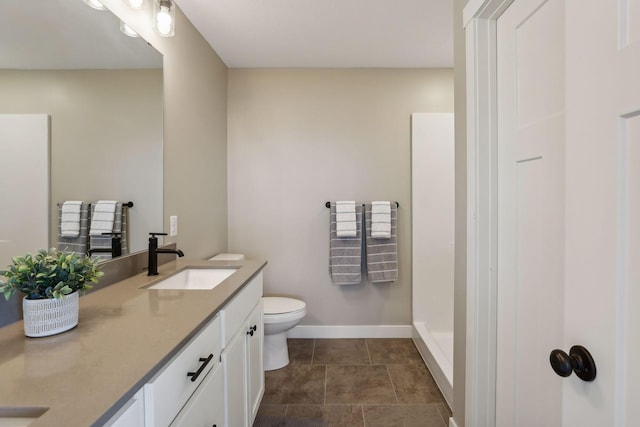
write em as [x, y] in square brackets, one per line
[346, 218]
[103, 217]
[70, 218]
[381, 219]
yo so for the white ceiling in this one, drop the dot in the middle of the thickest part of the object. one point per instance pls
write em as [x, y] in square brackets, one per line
[326, 33]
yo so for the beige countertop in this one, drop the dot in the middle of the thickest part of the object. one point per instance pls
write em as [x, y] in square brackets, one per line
[125, 334]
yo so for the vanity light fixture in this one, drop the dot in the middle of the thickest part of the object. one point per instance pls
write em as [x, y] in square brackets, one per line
[95, 4]
[127, 30]
[164, 13]
[135, 4]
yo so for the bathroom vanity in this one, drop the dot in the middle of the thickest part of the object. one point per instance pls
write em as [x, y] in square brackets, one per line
[144, 356]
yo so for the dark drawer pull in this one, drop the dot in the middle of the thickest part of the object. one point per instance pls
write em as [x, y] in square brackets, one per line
[194, 375]
[251, 330]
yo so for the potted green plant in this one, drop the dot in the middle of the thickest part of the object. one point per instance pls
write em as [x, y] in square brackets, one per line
[50, 281]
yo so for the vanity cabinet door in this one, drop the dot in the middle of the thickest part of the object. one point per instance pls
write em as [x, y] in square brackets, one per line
[235, 389]
[206, 406]
[255, 370]
[131, 414]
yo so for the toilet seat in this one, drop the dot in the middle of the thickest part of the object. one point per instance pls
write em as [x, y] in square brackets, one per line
[279, 310]
[279, 305]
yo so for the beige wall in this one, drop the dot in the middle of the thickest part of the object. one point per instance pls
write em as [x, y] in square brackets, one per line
[106, 137]
[195, 133]
[460, 267]
[299, 138]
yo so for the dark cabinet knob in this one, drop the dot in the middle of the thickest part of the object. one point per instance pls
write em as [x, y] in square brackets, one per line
[252, 329]
[578, 360]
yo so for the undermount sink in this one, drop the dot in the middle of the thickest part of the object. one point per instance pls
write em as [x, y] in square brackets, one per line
[19, 417]
[195, 278]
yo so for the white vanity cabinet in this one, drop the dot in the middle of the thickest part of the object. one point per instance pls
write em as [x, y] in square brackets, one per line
[242, 354]
[215, 379]
[171, 388]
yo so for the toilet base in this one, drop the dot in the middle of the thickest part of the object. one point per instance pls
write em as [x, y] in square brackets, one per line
[276, 352]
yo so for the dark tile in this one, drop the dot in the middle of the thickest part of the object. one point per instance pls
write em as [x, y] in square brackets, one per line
[359, 384]
[329, 415]
[414, 384]
[393, 351]
[295, 384]
[270, 416]
[300, 351]
[272, 410]
[340, 352]
[269, 421]
[402, 416]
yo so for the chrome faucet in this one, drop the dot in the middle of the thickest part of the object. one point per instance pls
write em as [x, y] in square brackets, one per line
[154, 251]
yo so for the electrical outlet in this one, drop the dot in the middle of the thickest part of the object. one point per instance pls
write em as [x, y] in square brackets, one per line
[173, 226]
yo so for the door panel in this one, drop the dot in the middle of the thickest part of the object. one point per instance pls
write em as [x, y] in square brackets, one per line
[530, 212]
[603, 100]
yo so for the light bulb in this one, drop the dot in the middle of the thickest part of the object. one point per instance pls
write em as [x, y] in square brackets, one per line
[135, 4]
[127, 30]
[164, 18]
[95, 4]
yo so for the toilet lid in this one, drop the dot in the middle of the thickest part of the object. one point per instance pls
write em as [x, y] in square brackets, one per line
[279, 305]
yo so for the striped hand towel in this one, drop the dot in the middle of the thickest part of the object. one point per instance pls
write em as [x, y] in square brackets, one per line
[75, 244]
[120, 225]
[346, 218]
[70, 218]
[381, 219]
[382, 254]
[345, 254]
[102, 217]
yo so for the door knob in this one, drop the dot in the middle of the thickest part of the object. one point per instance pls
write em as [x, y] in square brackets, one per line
[578, 360]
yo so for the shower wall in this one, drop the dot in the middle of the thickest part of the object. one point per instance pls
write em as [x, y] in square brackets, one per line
[432, 193]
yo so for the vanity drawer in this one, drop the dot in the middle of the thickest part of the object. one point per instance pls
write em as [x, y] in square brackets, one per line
[169, 390]
[236, 311]
[206, 406]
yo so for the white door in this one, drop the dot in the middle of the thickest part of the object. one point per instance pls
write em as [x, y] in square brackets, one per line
[530, 69]
[569, 210]
[602, 290]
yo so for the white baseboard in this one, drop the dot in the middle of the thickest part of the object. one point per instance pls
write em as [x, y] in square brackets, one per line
[346, 331]
[452, 423]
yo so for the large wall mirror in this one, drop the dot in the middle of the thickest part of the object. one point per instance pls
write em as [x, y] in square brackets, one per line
[102, 91]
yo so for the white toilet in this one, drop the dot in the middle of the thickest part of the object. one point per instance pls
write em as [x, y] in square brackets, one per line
[280, 315]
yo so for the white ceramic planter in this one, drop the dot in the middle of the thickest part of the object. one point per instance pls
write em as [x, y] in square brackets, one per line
[44, 317]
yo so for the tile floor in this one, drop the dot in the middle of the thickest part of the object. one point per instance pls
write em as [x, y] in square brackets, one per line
[351, 383]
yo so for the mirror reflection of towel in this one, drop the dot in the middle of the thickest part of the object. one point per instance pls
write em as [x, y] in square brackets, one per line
[103, 216]
[75, 244]
[70, 218]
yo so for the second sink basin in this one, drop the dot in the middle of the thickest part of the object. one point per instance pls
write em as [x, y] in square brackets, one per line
[195, 278]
